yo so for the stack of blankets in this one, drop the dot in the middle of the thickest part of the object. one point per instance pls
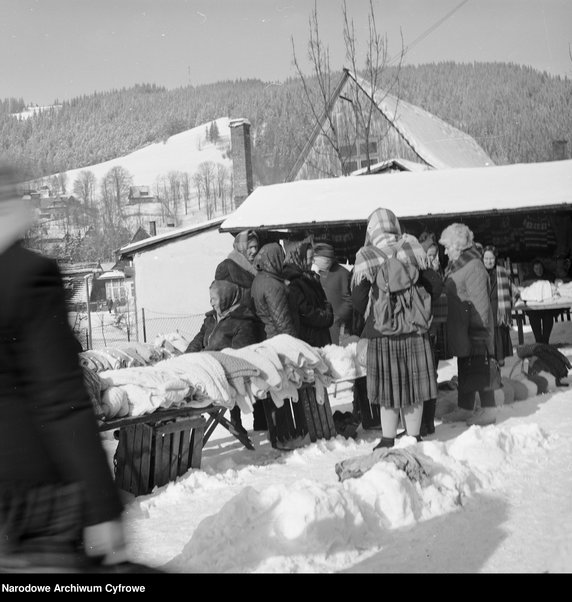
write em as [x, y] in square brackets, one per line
[277, 367]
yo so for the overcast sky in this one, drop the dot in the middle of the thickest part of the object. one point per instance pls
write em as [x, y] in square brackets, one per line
[58, 49]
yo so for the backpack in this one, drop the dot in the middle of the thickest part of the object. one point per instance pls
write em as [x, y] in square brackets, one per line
[403, 305]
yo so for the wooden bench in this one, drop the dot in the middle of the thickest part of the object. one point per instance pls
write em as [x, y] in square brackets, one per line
[156, 448]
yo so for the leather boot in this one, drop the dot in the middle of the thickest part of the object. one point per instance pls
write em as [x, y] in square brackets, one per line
[428, 418]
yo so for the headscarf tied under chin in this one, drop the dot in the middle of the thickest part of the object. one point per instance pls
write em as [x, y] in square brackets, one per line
[270, 259]
[240, 245]
[383, 236]
[242, 239]
[229, 296]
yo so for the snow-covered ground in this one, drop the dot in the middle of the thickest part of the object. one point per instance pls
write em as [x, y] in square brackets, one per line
[494, 499]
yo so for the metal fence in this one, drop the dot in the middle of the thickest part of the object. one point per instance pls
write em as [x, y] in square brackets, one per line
[154, 323]
[96, 327]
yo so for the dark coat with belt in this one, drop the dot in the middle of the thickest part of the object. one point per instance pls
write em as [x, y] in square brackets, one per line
[313, 314]
[237, 329]
[48, 428]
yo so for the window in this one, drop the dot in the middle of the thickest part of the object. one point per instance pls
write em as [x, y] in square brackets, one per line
[365, 162]
[372, 147]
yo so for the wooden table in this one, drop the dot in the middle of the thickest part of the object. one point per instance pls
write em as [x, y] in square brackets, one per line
[522, 309]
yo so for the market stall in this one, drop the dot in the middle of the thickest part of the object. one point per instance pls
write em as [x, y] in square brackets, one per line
[164, 404]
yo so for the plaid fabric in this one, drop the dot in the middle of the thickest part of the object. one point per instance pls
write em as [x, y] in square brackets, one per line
[506, 294]
[400, 371]
[383, 237]
[466, 256]
[44, 520]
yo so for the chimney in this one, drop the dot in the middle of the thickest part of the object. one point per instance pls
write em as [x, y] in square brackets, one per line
[241, 159]
[559, 150]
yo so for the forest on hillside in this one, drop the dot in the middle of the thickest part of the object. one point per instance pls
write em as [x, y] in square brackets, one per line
[514, 112]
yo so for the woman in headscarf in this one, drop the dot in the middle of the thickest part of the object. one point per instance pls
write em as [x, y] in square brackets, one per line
[238, 267]
[269, 292]
[400, 369]
[228, 324]
[312, 313]
[503, 294]
[470, 325]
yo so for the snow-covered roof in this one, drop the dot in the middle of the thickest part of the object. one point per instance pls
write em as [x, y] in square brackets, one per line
[183, 232]
[440, 192]
[437, 142]
[111, 275]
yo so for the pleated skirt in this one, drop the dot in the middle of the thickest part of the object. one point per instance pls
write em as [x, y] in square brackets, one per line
[400, 371]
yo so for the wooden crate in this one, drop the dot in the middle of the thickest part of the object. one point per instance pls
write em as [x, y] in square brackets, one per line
[151, 455]
[298, 423]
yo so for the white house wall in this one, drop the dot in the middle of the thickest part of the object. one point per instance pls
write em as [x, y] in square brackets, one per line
[172, 282]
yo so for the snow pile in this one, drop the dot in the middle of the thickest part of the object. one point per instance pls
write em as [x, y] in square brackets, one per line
[309, 525]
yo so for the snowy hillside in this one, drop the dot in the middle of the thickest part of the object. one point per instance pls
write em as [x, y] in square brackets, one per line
[181, 152]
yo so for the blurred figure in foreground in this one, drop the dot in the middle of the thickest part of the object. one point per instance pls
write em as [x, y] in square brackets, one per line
[59, 507]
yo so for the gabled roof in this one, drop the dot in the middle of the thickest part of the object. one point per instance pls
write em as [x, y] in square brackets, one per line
[161, 239]
[435, 193]
[436, 142]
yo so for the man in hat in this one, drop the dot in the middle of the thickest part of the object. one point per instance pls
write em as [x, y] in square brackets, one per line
[335, 281]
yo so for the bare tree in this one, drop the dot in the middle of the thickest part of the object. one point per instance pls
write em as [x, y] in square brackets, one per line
[174, 178]
[221, 180]
[186, 190]
[344, 135]
[84, 187]
[63, 181]
[206, 173]
[197, 181]
[117, 181]
[55, 186]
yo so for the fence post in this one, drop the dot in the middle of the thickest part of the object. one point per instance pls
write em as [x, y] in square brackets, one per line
[144, 328]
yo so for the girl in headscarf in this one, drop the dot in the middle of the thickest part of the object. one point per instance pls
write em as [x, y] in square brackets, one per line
[228, 323]
[400, 369]
[238, 267]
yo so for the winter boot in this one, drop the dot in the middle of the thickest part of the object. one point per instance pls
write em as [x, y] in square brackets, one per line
[236, 420]
[385, 442]
[428, 418]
